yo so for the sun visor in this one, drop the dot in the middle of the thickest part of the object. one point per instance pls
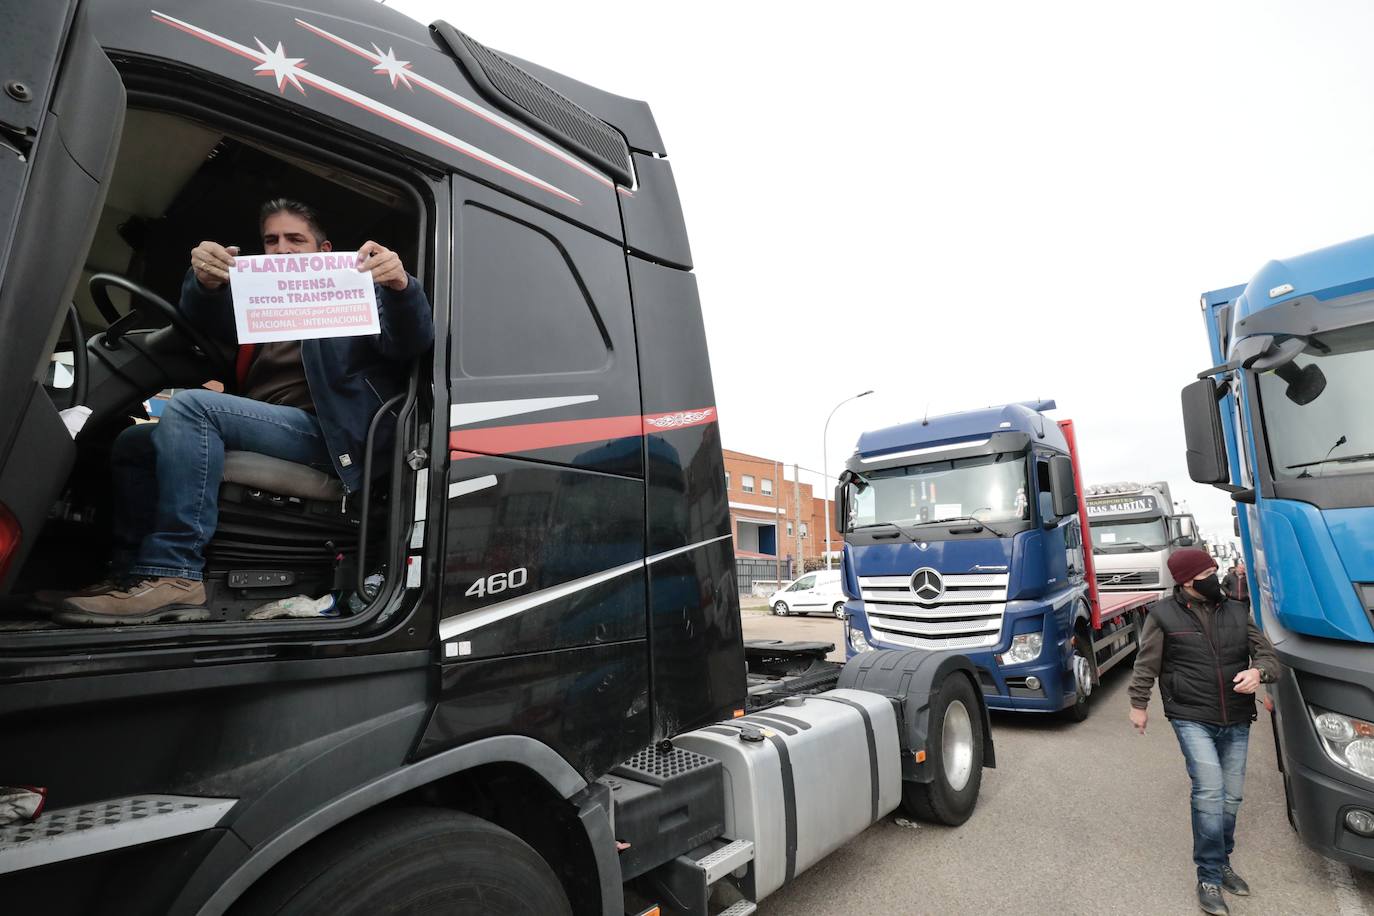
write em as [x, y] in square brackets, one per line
[997, 443]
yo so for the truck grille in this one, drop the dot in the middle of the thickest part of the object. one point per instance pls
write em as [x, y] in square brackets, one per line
[966, 615]
[1129, 578]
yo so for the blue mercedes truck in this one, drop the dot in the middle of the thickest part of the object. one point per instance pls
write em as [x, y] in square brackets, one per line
[1282, 422]
[963, 532]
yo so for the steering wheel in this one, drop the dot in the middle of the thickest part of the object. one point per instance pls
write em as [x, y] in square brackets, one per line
[141, 299]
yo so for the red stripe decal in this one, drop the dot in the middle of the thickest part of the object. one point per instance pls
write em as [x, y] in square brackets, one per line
[529, 437]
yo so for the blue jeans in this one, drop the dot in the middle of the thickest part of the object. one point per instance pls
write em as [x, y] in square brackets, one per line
[1215, 755]
[167, 474]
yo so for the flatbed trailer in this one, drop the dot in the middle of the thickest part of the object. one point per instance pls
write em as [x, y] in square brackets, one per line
[1116, 606]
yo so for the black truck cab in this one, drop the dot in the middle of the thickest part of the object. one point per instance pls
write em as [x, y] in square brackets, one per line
[540, 565]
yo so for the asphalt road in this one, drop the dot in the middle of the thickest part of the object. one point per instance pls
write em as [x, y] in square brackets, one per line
[1089, 818]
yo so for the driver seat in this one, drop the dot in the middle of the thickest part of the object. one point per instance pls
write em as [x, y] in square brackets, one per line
[262, 472]
[284, 529]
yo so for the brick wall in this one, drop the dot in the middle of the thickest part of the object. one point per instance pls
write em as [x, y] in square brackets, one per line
[762, 505]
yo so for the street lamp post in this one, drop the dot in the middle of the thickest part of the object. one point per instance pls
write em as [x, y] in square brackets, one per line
[825, 467]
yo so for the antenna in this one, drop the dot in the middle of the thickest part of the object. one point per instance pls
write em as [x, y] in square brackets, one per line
[925, 420]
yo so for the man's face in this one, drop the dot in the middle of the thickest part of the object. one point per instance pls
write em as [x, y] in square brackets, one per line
[1209, 571]
[287, 233]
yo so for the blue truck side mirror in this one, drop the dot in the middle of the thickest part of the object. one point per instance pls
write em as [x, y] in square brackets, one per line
[1061, 486]
[1202, 430]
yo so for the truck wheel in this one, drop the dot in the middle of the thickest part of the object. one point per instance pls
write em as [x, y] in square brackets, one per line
[838, 610]
[780, 609]
[411, 860]
[1081, 672]
[955, 746]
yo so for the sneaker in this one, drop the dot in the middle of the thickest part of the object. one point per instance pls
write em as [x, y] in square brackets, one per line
[52, 598]
[1233, 883]
[145, 601]
[1210, 899]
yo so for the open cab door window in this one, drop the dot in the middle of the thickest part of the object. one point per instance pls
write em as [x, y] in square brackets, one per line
[61, 113]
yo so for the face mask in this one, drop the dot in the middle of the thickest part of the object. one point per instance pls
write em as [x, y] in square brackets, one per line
[1209, 587]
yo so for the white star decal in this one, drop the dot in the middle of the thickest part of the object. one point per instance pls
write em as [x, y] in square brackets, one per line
[396, 69]
[284, 69]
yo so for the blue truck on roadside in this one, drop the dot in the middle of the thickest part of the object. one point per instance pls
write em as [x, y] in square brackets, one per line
[964, 532]
[1282, 421]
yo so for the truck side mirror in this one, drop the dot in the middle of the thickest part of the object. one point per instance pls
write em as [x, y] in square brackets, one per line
[1061, 485]
[842, 505]
[1048, 517]
[1202, 430]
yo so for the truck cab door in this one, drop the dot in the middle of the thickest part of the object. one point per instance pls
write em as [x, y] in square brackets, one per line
[61, 113]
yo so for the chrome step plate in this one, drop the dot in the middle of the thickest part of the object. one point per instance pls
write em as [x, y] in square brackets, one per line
[726, 859]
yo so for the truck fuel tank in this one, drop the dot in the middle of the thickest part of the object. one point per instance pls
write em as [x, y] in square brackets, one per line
[804, 777]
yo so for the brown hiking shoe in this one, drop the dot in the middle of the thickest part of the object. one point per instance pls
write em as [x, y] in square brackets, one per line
[52, 598]
[146, 601]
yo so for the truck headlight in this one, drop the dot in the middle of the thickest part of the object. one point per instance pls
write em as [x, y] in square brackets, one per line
[1348, 741]
[858, 641]
[1024, 648]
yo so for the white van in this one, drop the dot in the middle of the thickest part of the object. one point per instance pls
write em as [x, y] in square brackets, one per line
[814, 593]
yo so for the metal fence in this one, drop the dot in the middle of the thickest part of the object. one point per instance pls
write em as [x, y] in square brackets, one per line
[759, 577]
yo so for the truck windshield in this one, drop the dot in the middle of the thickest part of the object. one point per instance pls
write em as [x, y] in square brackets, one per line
[1334, 432]
[1126, 537]
[988, 488]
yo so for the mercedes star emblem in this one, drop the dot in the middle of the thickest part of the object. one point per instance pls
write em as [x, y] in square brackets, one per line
[927, 584]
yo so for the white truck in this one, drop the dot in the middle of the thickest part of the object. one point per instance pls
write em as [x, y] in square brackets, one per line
[1135, 529]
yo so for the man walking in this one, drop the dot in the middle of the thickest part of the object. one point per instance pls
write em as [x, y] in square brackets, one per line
[1209, 659]
[1236, 585]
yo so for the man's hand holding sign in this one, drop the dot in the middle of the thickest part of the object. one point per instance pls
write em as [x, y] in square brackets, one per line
[298, 296]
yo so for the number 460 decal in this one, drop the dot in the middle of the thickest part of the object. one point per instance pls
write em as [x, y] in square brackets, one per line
[496, 583]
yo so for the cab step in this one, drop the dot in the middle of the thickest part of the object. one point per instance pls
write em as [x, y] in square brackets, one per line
[684, 885]
[726, 859]
[87, 830]
[741, 908]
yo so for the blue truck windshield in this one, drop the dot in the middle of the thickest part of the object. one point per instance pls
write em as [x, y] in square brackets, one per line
[990, 488]
[1332, 434]
[1129, 536]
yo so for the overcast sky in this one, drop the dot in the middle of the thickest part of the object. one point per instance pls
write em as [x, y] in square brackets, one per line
[967, 204]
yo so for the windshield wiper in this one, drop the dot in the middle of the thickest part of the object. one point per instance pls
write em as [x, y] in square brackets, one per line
[1367, 456]
[965, 518]
[1125, 543]
[893, 525]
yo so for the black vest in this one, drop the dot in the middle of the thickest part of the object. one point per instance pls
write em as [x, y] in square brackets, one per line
[1196, 674]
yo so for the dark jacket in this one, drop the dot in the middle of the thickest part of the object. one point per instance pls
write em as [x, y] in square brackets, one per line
[1196, 649]
[349, 377]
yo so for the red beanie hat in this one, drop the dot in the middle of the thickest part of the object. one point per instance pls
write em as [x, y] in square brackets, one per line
[1187, 564]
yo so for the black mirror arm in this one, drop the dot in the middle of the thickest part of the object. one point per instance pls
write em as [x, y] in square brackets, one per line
[1243, 495]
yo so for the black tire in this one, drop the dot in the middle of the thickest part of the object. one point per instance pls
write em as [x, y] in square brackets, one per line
[939, 801]
[780, 609]
[416, 861]
[1078, 712]
[838, 610]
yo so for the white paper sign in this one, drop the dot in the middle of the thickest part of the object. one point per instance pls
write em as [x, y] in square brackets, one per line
[302, 296]
[1109, 537]
[949, 510]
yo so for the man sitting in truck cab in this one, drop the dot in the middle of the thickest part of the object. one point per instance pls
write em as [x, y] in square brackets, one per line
[308, 402]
